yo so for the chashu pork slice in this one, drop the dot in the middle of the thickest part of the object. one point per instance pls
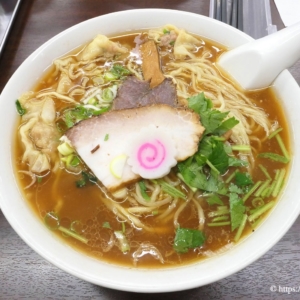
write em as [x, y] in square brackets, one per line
[99, 140]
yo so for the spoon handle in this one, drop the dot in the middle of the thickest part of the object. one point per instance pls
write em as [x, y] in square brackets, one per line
[256, 64]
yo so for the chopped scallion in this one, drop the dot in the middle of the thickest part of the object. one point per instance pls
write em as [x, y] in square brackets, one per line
[257, 202]
[109, 76]
[65, 149]
[21, 111]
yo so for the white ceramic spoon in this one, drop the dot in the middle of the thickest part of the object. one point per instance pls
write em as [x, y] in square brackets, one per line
[256, 64]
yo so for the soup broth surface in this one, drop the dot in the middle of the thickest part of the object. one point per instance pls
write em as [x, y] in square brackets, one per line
[58, 202]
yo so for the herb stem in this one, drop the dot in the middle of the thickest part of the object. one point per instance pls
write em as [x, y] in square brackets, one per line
[264, 170]
[262, 187]
[279, 182]
[282, 147]
[212, 167]
[241, 228]
[274, 133]
[218, 219]
[231, 176]
[245, 148]
[252, 190]
[260, 211]
[218, 213]
[73, 234]
[216, 224]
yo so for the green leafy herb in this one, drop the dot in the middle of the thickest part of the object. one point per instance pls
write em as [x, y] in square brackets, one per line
[85, 178]
[171, 190]
[143, 189]
[186, 239]
[106, 225]
[203, 170]
[274, 156]
[237, 209]
[243, 179]
[106, 137]
[214, 199]
[235, 189]
[226, 126]
[119, 71]
[235, 162]
[212, 119]
[78, 113]
[166, 31]
[75, 161]
[21, 111]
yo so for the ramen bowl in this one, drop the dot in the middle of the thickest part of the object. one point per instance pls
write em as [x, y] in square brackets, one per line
[38, 237]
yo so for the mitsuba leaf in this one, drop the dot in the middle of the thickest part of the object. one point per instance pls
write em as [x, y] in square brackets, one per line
[211, 119]
[235, 189]
[208, 183]
[143, 189]
[199, 103]
[85, 178]
[214, 199]
[119, 71]
[274, 156]
[186, 239]
[243, 179]
[226, 125]
[235, 162]
[219, 157]
[237, 209]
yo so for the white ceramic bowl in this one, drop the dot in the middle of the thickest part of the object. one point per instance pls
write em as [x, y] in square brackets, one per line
[37, 236]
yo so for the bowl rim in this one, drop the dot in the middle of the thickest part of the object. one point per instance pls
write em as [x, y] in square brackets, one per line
[28, 226]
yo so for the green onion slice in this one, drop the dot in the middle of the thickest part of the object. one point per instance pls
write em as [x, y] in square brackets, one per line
[21, 111]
